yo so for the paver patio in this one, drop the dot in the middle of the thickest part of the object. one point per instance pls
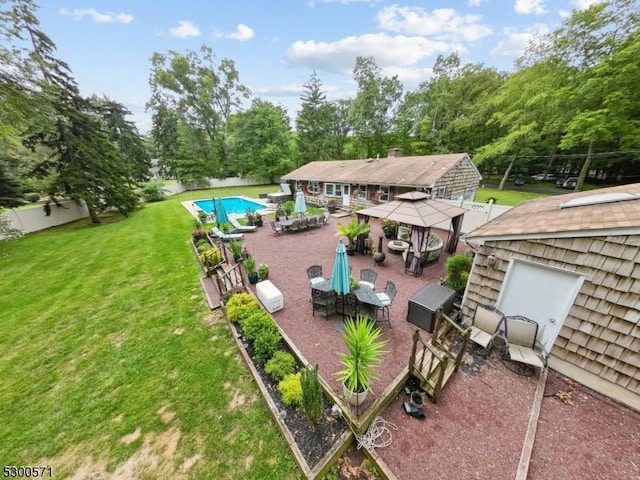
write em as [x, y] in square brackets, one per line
[478, 427]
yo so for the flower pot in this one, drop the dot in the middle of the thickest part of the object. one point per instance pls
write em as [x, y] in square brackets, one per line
[417, 399]
[354, 398]
[253, 278]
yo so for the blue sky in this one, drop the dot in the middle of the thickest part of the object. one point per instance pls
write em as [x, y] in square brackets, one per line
[277, 44]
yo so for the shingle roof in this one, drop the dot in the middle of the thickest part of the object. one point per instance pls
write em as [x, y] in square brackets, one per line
[421, 170]
[544, 216]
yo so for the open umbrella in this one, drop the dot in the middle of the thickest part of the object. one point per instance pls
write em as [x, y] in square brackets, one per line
[341, 277]
[221, 213]
[301, 206]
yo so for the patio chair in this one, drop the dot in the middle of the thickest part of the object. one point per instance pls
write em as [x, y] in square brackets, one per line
[368, 277]
[237, 227]
[485, 325]
[520, 335]
[277, 228]
[386, 298]
[216, 232]
[295, 225]
[314, 272]
[304, 223]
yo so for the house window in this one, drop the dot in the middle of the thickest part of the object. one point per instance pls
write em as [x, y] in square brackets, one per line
[442, 191]
[336, 189]
[470, 194]
[362, 192]
[313, 187]
[383, 193]
[298, 185]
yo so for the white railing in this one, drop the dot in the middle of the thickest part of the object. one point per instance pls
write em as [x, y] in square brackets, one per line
[477, 215]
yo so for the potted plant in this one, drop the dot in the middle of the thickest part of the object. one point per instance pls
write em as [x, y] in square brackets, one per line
[250, 268]
[390, 229]
[458, 267]
[249, 215]
[263, 272]
[236, 250]
[351, 231]
[202, 216]
[257, 219]
[360, 336]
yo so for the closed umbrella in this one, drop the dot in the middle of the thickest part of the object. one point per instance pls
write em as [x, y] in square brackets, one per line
[301, 205]
[341, 277]
[221, 213]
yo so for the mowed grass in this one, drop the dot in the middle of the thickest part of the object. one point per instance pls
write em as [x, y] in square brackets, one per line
[110, 361]
[505, 197]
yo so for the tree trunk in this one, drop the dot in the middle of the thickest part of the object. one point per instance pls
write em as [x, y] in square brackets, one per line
[506, 173]
[585, 168]
[93, 215]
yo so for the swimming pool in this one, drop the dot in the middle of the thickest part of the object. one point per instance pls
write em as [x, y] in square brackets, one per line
[237, 205]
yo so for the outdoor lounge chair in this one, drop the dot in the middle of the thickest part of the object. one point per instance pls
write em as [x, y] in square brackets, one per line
[238, 228]
[216, 232]
[521, 333]
[485, 325]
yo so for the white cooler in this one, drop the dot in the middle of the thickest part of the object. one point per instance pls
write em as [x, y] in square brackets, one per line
[270, 296]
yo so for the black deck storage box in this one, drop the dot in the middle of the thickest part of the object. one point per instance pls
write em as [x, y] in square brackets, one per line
[424, 304]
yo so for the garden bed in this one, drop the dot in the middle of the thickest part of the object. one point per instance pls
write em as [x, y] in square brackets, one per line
[315, 447]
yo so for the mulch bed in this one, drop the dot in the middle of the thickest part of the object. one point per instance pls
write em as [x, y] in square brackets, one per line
[313, 441]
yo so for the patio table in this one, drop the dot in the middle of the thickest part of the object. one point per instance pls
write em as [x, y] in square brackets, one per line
[368, 301]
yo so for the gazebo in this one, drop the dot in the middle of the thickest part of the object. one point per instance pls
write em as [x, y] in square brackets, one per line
[418, 211]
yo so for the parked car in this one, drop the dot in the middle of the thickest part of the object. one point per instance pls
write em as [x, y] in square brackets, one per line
[569, 182]
[518, 182]
[544, 176]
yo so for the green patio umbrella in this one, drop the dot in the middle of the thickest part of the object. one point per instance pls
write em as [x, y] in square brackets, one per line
[341, 277]
[221, 213]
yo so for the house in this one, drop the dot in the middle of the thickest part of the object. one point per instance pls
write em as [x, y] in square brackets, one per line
[366, 182]
[571, 263]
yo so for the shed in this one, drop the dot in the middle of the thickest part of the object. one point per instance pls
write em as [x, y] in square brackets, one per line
[571, 263]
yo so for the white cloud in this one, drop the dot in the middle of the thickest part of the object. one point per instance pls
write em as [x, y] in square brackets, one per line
[441, 23]
[184, 29]
[564, 13]
[288, 90]
[515, 41]
[339, 56]
[528, 7]
[242, 33]
[475, 3]
[584, 4]
[97, 17]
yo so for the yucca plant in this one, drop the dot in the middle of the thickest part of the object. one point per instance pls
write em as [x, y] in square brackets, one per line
[352, 230]
[360, 336]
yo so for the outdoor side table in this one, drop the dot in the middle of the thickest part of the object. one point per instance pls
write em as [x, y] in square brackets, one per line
[424, 304]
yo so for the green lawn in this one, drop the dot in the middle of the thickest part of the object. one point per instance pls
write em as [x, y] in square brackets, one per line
[505, 197]
[107, 360]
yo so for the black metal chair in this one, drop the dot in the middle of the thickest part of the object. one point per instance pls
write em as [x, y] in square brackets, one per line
[314, 272]
[368, 277]
[386, 298]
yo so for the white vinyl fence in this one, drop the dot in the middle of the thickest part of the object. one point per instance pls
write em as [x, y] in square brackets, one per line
[477, 214]
[29, 220]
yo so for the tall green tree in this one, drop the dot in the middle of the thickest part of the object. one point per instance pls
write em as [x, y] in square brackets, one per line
[203, 91]
[261, 141]
[374, 107]
[339, 127]
[82, 161]
[313, 125]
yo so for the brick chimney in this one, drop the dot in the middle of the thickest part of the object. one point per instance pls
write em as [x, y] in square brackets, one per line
[394, 152]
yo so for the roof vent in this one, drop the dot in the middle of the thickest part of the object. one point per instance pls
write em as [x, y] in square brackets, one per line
[597, 198]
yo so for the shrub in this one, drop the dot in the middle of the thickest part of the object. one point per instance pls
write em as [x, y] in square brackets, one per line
[153, 191]
[291, 390]
[280, 365]
[311, 393]
[266, 345]
[210, 256]
[32, 197]
[199, 234]
[240, 306]
[457, 267]
[257, 324]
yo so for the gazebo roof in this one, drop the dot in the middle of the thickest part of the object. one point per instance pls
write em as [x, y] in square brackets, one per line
[414, 208]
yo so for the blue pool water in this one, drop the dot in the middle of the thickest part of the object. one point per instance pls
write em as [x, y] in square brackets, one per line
[235, 205]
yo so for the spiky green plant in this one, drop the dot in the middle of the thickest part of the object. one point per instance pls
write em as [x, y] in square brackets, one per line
[311, 393]
[360, 336]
